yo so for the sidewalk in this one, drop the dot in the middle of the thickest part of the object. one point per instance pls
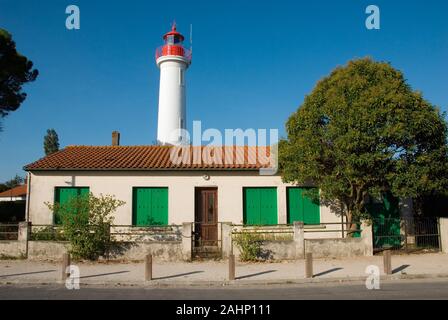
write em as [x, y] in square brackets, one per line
[215, 272]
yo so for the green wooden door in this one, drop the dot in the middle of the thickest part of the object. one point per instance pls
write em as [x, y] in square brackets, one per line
[260, 206]
[64, 195]
[301, 207]
[150, 206]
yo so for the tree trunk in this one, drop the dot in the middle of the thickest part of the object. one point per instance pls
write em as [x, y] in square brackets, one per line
[351, 226]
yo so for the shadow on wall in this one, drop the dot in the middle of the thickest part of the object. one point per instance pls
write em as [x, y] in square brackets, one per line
[265, 254]
[119, 249]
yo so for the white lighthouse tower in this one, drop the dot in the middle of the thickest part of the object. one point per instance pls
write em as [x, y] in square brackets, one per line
[173, 60]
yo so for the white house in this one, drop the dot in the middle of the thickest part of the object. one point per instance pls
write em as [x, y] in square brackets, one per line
[158, 191]
[14, 194]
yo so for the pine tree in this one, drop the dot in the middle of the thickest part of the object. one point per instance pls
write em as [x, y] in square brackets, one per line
[51, 142]
[15, 71]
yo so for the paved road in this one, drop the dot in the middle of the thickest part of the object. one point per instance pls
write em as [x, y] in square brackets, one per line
[404, 289]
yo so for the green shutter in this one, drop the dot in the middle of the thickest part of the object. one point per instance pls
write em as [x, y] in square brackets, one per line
[63, 195]
[301, 207]
[259, 206]
[295, 210]
[150, 206]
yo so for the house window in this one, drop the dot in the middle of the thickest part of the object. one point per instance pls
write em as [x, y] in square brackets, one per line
[302, 205]
[260, 206]
[63, 196]
[149, 206]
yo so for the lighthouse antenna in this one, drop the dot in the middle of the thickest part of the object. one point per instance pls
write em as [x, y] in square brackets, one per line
[191, 37]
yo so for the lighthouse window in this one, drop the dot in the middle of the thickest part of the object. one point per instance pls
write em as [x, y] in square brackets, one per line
[170, 39]
[181, 77]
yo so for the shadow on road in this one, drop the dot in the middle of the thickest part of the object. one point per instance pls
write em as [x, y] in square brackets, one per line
[103, 274]
[401, 268]
[255, 274]
[327, 272]
[178, 275]
[26, 273]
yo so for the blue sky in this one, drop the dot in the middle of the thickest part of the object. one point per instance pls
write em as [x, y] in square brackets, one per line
[253, 63]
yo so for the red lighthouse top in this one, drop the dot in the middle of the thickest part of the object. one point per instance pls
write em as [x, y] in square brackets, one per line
[173, 45]
[173, 34]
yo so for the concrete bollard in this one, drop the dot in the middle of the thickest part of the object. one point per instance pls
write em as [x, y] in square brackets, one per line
[65, 265]
[309, 265]
[148, 267]
[232, 267]
[387, 262]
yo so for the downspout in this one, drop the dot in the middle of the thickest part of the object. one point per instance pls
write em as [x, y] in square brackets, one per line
[27, 213]
[28, 195]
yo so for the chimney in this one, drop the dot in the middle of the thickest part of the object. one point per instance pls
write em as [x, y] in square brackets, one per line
[115, 138]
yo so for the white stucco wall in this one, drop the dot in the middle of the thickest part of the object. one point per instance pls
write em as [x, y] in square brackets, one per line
[181, 192]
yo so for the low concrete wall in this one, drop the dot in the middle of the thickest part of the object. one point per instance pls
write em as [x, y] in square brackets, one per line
[336, 248]
[12, 249]
[296, 248]
[123, 251]
[321, 248]
[47, 250]
[161, 251]
[279, 250]
[274, 250]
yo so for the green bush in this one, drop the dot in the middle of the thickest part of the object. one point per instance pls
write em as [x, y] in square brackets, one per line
[249, 243]
[86, 222]
[48, 233]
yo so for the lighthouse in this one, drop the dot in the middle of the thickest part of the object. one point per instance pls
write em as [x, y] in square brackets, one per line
[173, 60]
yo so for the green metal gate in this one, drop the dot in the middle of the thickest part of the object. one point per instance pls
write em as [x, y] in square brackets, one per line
[386, 222]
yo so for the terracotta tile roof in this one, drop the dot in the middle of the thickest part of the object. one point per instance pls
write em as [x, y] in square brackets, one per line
[18, 191]
[154, 158]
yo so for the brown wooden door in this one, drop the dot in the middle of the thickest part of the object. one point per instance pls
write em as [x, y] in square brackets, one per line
[206, 224]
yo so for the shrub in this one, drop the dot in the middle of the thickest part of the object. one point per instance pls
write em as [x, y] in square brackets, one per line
[249, 243]
[48, 233]
[86, 222]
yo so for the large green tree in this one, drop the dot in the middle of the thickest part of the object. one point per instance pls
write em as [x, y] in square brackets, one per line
[51, 142]
[363, 131]
[15, 70]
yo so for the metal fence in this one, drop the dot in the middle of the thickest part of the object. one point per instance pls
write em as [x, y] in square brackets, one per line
[407, 234]
[278, 232]
[282, 232]
[118, 233]
[206, 240]
[47, 232]
[9, 231]
[334, 229]
[150, 233]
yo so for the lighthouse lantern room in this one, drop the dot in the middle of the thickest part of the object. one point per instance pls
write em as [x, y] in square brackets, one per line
[173, 60]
